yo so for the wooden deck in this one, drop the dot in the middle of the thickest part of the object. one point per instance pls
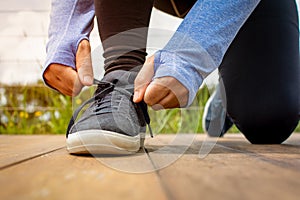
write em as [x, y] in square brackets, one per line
[39, 167]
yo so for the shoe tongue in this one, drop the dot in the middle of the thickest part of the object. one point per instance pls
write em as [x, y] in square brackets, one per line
[121, 78]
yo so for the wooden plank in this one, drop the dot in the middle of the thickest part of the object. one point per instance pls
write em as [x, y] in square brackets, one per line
[286, 155]
[15, 148]
[59, 175]
[25, 48]
[234, 169]
[29, 24]
[24, 24]
[228, 173]
[30, 5]
[21, 72]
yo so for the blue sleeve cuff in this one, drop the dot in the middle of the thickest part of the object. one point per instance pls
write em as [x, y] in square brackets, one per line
[169, 64]
[64, 56]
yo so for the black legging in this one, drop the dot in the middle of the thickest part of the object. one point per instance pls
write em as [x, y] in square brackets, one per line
[123, 27]
[260, 70]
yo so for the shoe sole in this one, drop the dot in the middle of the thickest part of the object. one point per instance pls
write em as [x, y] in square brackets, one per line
[103, 142]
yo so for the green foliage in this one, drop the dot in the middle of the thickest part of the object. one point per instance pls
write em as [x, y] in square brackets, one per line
[33, 110]
[36, 109]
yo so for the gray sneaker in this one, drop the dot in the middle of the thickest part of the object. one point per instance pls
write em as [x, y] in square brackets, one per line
[215, 121]
[113, 123]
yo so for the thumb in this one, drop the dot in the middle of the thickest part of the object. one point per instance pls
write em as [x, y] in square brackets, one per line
[143, 79]
[84, 63]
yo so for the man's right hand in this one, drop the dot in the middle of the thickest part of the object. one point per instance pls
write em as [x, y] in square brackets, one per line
[67, 80]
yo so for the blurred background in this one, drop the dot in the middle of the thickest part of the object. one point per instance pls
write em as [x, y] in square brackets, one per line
[23, 36]
[28, 107]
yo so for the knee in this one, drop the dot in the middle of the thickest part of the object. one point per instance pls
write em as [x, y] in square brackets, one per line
[268, 127]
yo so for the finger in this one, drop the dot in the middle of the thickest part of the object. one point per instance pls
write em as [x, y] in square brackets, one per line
[166, 91]
[179, 91]
[143, 79]
[84, 63]
[155, 92]
[170, 101]
[71, 85]
[63, 78]
[157, 107]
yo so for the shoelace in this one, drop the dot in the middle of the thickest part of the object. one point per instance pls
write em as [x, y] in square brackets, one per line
[103, 89]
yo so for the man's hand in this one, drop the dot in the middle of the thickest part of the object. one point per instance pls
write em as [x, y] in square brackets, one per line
[162, 93]
[67, 80]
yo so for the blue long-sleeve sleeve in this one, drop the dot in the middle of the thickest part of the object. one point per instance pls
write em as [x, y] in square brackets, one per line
[70, 22]
[199, 44]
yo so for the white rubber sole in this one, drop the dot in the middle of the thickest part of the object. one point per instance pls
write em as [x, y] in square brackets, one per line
[103, 142]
